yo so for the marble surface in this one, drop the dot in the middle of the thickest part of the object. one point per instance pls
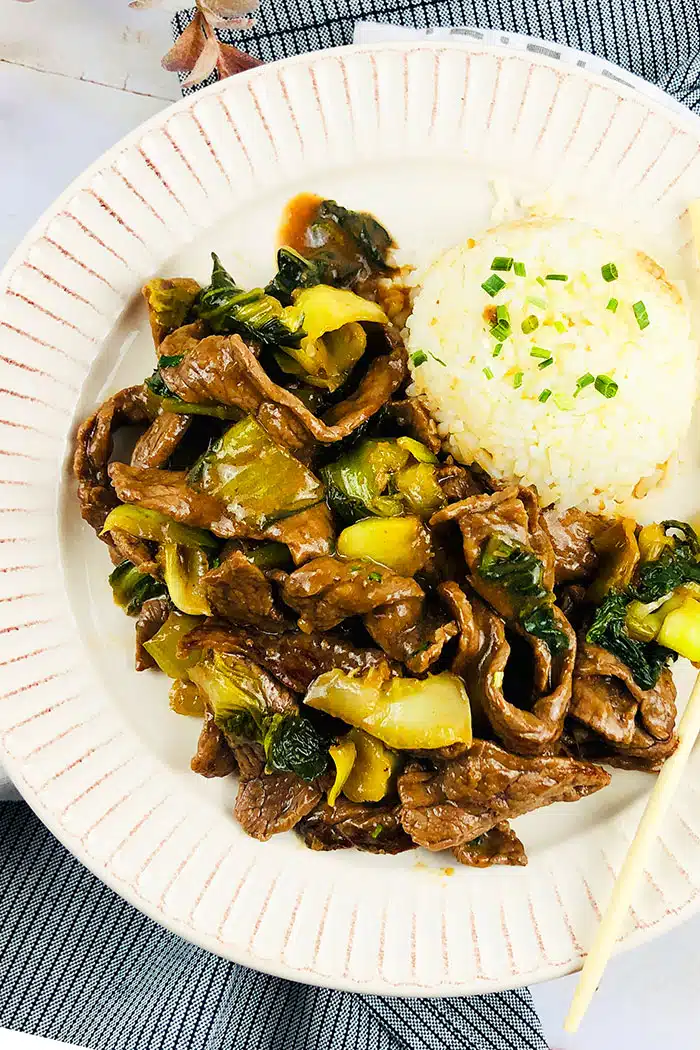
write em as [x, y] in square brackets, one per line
[75, 76]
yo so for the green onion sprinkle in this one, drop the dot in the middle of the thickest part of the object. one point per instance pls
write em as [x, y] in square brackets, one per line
[609, 272]
[545, 395]
[519, 269]
[530, 324]
[493, 285]
[640, 313]
[502, 262]
[606, 386]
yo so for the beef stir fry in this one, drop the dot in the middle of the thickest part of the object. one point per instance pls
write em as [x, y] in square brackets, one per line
[387, 647]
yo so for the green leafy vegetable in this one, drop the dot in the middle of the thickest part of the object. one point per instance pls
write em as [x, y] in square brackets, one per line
[151, 525]
[357, 481]
[645, 660]
[132, 588]
[513, 566]
[293, 271]
[259, 481]
[541, 622]
[252, 314]
[293, 744]
[676, 564]
[163, 646]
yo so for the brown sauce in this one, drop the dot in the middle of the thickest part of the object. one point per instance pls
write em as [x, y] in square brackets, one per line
[297, 216]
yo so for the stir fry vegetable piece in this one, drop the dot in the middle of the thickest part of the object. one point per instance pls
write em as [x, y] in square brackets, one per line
[402, 544]
[521, 572]
[418, 450]
[235, 692]
[163, 645]
[513, 565]
[419, 489]
[678, 563]
[170, 302]
[356, 481]
[374, 770]
[270, 556]
[344, 247]
[680, 630]
[152, 525]
[343, 755]
[652, 540]
[619, 556]
[293, 271]
[643, 621]
[403, 713]
[258, 480]
[335, 340]
[293, 744]
[131, 588]
[183, 570]
[253, 314]
[185, 698]
[645, 660]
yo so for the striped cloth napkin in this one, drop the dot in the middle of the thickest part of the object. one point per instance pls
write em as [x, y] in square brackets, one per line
[79, 964]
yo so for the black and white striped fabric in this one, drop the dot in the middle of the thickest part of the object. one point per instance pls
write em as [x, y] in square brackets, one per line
[655, 39]
[77, 963]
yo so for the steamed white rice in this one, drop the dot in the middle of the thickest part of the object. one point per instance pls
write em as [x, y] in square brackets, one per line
[519, 420]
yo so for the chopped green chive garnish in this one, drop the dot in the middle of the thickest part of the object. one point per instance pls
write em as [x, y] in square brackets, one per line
[640, 312]
[612, 305]
[609, 272]
[539, 351]
[500, 331]
[557, 277]
[541, 280]
[517, 380]
[560, 327]
[438, 359]
[493, 284]
[375, 577]
[502, 314]
[582, 382]
[519, 269]
[536, 301]
[488, 373]
[606, 386]
[376, 831]
[419, 358]
[530, 324]
[502, 262]
[545, 395]
[497, 350]
[564, 402]
[546, 364]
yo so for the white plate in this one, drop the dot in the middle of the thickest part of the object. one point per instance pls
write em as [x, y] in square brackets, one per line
[414, 133]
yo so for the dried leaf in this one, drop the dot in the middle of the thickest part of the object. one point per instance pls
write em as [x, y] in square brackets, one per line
[205, 64]
[227, 14]
[232, 60]
[183, 55]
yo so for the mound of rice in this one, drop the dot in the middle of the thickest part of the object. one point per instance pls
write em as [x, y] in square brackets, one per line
[578, 384]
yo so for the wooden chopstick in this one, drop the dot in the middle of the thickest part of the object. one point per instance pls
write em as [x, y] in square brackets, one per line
[634, 863]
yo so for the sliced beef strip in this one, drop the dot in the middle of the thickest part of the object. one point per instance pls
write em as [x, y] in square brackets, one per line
[327, 590]
[250, 759]
[295, 659]
[237, 590]
[94, 445]
[167, 491]
[153, 615]
[630, 722]
[308, 534]
[274, 802]
[284, 428]
[155, 447]
[482, 659]
[467, 797]
[511, 513]
[407, 634]
[223, 369]
[413, 416]
[571, 534]
[372, 828]
[214, 757]
[457, 482]
[500, 845]
[182, 340]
